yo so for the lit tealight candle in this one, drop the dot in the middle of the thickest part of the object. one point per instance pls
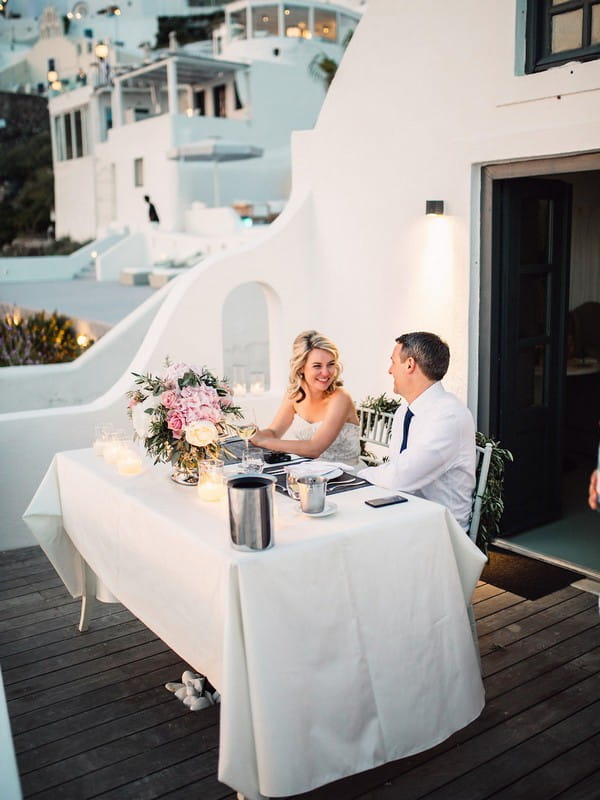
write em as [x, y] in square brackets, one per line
[239, 388]
[211, 490]
[129, 463]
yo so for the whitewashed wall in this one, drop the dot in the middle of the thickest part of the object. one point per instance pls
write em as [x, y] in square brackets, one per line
[426, 95]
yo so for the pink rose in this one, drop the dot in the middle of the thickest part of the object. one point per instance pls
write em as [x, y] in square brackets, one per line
[133, 401]
[175, 423]
[169, 398]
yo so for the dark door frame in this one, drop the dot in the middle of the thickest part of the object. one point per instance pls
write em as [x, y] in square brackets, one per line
[542, 167]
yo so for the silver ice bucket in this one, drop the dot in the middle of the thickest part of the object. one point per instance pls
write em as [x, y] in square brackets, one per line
[251, 511]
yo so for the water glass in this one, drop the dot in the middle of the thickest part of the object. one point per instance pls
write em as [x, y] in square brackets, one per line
[253, 460]
[291, 484]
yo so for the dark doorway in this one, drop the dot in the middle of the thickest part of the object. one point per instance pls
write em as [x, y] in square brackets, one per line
[539, 355]
[531, 245]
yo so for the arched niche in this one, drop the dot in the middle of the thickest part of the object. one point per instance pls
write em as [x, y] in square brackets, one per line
[246, 350]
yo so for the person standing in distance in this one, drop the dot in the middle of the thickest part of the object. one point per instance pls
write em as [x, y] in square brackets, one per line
[432, 446]
[152, 213]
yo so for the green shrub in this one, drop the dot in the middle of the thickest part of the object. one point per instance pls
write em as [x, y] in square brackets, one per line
[38, 339]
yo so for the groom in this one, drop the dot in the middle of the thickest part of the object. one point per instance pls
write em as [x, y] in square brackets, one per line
[432, 447]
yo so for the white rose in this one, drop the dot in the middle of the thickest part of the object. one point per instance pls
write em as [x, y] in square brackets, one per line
[201, 433]
[142, 421]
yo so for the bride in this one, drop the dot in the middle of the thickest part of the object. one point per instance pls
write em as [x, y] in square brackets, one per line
[318, 413]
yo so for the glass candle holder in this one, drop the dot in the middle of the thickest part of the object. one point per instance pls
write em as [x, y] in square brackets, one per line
[101, 437]
[129, 462]
[211, 480]
[117, 442]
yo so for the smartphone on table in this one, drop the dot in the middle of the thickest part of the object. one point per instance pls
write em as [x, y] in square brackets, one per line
[378, 502]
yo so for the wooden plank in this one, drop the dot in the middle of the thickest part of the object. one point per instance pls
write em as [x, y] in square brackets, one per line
[558, 774]
[105, 702]
[54, 669]
[582, 649]
[569, 618]
[63, 636]
[501, 610]
[586, 789]
[112, 765]
[162, 707]
[479, 767]
[186, 775]
[504, 770]
[59, 702]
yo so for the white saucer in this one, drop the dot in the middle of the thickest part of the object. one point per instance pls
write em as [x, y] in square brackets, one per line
[330, 508]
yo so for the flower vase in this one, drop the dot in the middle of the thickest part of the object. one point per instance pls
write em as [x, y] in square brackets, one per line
[184, 474]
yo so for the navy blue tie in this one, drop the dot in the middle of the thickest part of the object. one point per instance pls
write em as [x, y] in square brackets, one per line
[407, 418]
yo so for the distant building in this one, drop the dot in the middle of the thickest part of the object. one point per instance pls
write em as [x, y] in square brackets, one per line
[144, 127]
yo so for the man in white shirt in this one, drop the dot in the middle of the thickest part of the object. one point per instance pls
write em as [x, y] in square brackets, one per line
[432, 447]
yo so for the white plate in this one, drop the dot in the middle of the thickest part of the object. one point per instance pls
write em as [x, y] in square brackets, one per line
[330, 508]
[321, 468]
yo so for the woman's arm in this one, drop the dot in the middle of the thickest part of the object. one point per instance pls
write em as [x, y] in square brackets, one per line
[325, 435]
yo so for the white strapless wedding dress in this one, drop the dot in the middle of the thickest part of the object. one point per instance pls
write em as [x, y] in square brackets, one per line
[345, 447]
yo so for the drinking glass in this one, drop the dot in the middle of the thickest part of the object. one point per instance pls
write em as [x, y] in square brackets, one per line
[246, 428]
[291, 484]
[253, 460]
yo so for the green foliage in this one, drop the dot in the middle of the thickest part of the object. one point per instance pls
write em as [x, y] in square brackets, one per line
[324, 68]
[38, 339]
[28, 186]
[492, 506]
[381, 404]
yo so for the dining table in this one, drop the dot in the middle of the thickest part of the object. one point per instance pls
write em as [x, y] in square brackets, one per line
[344, 646]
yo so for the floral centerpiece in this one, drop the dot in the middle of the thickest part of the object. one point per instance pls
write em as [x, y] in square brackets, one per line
[182, 416]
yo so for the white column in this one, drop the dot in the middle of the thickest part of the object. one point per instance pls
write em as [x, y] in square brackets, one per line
[172, 86]
[116, 101]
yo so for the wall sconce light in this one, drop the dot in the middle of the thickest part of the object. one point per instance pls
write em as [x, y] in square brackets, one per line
[101, 50]
[52, 76]
[434, 207]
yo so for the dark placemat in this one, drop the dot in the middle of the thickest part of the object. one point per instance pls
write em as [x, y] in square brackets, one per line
[526, 577]
[343, 483]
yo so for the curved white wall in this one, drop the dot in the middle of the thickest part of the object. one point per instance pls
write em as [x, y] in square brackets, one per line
[425, 95]
[45, 386]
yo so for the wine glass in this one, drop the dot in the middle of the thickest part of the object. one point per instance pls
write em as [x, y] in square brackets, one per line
[246, 428]
[253, 460]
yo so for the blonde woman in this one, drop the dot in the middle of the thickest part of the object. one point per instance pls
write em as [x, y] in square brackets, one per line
[317, 412]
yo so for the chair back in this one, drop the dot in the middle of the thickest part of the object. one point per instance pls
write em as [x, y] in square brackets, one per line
[484, 456]
[375, 426]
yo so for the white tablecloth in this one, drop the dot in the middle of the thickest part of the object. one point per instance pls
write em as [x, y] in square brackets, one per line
[345, 646]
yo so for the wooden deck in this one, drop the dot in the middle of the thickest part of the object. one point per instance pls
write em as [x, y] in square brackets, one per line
[91, 719]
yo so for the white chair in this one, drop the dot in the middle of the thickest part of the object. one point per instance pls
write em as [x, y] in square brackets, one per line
[484, 456]
[375, 428]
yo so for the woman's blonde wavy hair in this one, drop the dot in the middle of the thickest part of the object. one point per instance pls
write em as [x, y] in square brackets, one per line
[303, 344]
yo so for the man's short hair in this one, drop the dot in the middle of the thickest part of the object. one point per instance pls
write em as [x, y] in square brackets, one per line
[429, 352]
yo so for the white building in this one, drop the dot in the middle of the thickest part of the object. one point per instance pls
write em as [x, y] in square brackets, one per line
[143, 129]
[469, 103]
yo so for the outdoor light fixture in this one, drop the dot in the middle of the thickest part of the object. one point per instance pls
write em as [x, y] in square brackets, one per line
[101, 50]
[434, 207]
